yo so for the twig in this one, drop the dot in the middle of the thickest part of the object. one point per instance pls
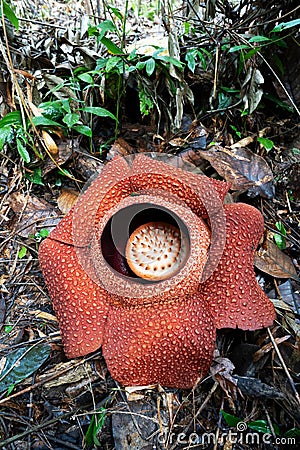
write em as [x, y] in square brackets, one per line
[284, 366]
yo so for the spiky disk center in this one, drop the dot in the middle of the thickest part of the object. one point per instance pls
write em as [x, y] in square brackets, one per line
[155, 251]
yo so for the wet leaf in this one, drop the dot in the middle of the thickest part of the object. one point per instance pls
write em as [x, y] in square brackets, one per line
[271, 260]
[21, 363]
[243, 169]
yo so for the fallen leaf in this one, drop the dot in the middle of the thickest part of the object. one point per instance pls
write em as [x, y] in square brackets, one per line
[21, 363]
[67, 199]
[268, 347]
[65, 149]
[32, 214]
[271, 260]
[256, 388]
[119, 148]
[243, 169]
[37, 313]
[2, 309]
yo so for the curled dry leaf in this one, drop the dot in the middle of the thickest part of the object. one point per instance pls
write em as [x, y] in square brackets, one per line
[271, 260]
[243, 169]
[32, 214]
[119, 148]
[222, 372]
[67, 199]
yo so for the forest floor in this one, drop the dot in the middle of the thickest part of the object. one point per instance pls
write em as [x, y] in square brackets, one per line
[250, 398]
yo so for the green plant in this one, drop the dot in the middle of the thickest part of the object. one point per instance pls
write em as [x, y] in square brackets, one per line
[96, 423]
[13, 130]
[280, 239]
[7, 11]
[266, 143]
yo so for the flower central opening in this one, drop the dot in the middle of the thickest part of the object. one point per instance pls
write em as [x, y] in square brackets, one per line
[146, 242]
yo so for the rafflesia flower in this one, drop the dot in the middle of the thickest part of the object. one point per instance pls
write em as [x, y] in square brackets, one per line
[147, 264]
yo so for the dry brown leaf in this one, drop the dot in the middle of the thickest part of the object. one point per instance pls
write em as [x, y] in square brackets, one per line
[243, 169]
[32, 214]
[43, 315]
[268, 347]
[66, 149]
[67, 199]
[271, 260]
[50, 143]
[119, 148]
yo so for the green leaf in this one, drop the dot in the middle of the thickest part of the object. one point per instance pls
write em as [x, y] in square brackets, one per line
[94, 427]
[23, 151]
[150, 66]
[36, 176]
[71, 119]
[111, 47]
[190, 58]
[111, 63]
[22, 252]
[285, 25]
[267, 143]
[231, 420]
[237, 48]
[98, 111]
[44, 122]
[259, 39]
[278, 238]
[87, 78]
[10, 15]
[83, 129]
[6, 135]
[293, 432]
[140, 65]
[13, 117]
[251, 52]
[21, 363]
[116, 12]
[8, 328]
[104, 27]
[262, 426]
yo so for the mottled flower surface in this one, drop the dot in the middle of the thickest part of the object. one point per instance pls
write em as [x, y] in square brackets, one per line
[147, 264]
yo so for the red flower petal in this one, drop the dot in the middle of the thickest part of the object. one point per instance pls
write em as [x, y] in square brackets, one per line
[235, 298]
[80, 305]
[170, 344]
